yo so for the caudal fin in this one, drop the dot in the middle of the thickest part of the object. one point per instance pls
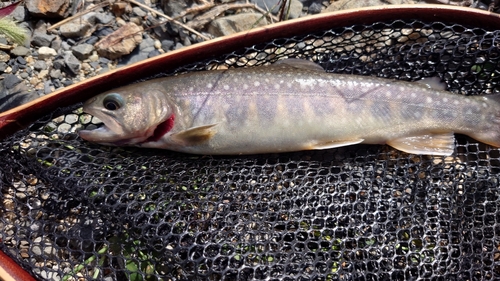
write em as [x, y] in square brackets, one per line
[487, 129]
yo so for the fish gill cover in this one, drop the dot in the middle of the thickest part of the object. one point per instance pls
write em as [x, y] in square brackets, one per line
[73, 210]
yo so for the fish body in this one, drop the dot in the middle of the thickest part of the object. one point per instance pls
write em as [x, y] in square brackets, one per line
[288, 106]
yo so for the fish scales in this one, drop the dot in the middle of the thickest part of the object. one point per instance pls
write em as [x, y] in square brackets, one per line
[294, 105]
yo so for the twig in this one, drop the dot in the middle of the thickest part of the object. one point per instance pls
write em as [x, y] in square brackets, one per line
[97, 6]
[169, 19]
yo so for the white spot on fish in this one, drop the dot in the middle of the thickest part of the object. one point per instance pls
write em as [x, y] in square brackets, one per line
[306, 83]
[413, 95]
[245, 86]
[445, 99]
[281, 81]
[455, 102]
[485, 105]
[209, 85]
[256, 83]
[277, 86]
[428, 99]
[417, 114]
[388, 94]
[226, 87]
[191, 89]
[267, 80]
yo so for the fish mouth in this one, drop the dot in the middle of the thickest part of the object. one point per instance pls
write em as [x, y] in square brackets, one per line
[108, 133]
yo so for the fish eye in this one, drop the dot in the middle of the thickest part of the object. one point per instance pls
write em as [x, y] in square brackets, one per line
[112, 102]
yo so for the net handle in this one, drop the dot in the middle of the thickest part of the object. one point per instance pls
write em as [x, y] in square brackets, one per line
[11, 271]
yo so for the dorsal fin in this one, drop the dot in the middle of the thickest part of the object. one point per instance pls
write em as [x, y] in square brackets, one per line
[300, 63]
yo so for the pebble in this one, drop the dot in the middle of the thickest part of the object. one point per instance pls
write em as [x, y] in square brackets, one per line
[55, 73]
[139, 12]
[4, 57]
[21, 60]
[39, 65]
[46, 53]
[75, 29]
[3, 66]
[10, 81]
[41, 39]
[72, 63]
[82, 51]
[20, 51]
[48, 9]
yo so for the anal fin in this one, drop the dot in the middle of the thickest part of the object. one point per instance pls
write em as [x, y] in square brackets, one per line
[333, 144]
[194, 136]
[428, 144]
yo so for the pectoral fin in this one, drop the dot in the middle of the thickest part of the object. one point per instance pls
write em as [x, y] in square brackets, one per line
[333, 144]
[196, 135]
[429, 144]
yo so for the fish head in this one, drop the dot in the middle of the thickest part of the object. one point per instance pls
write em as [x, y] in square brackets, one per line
[131, 115]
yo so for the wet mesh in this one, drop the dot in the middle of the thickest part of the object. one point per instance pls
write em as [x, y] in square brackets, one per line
[74, 210]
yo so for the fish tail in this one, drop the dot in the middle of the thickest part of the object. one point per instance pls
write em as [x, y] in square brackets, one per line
[488, 129]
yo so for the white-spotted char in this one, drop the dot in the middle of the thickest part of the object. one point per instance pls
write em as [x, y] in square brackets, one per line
[288, 106]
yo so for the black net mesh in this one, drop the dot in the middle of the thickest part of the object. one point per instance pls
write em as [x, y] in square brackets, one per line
[73, 210]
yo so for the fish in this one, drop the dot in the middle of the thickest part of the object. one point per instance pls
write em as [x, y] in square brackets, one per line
[291, 105]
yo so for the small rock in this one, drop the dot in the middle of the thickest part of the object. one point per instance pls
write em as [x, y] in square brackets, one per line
[120, 8]
[103, 18]
[20, 51]
[4, 57]
[74, 29]
[10, 81]
[120, 22]
[175, 7]
[24, 75]
[94, 57]
[72, 63]
[58, 64]
[315, 8]
[65, 46]
[274, 6]
[56, 43]
[48, 8]
[39, 65]
[43, 73]
[104, 31]
[19, 14]
[41, 39]
[21, 60]
[92, 40]
[121, 42]
[153, 53]
[48, 87]
[90, 18]
[82, 51]
[178, 46]
[167, 44]
[3, 66]
[236, 23]
[139, 12]
[46, 52]
[55, 73]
